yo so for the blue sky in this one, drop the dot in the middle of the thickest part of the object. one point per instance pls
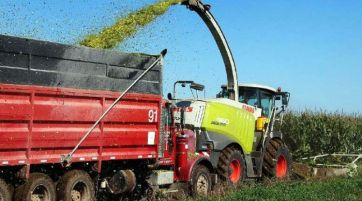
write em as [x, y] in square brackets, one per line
[312, 48]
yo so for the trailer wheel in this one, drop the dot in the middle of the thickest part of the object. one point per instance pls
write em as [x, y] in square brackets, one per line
[201, 181]
[18, 193]
[39, 187]
[277, 160]
[5, 193]
[76, 185]
[231, 166]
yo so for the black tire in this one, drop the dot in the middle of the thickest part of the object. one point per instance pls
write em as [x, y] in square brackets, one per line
[12, 190]
[5, 192]
[200, 181]
[76, 185]
[277, 160]
[230, 161]
[18, 193]
[38, 185]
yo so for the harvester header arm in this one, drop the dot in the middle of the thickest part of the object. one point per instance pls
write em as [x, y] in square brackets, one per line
[204, 12]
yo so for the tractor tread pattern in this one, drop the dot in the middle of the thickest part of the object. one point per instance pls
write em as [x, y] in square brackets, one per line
[5, 190]
[62, 184]
[41, 178]
[270, 157]
[222, 167]
[224, 162]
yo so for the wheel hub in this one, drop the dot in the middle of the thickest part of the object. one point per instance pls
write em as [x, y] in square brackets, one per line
[40, 193]
[281, 167]
[235, 171]
[80, 192]
[35, 198]
[76, 195]
[202, 185]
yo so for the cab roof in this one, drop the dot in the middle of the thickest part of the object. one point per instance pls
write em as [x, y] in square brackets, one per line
[259, 86]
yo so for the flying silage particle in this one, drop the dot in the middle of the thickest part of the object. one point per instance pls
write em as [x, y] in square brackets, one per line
[110, 37]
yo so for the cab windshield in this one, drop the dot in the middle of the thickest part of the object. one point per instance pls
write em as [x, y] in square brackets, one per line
[248, 96]
[253, 96]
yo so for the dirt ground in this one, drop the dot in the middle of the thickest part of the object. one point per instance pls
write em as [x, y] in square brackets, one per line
[300, 172]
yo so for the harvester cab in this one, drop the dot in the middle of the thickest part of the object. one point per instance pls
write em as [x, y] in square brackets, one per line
[266, 103]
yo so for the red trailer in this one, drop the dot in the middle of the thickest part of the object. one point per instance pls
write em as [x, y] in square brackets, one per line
[51, 94]
[38, 124]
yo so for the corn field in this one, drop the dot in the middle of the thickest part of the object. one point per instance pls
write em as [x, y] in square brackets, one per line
[310, 133]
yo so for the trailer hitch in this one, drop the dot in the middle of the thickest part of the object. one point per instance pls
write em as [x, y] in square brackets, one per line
[66, 159]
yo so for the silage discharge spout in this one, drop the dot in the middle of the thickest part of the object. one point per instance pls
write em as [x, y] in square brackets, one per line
[127, 26]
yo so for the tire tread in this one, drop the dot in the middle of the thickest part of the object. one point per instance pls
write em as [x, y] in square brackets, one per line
[22, 191]
[5, 190]
[62, 184]
[224, 161]
[273, 149]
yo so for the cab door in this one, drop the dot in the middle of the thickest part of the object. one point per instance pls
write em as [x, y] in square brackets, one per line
[265, 103]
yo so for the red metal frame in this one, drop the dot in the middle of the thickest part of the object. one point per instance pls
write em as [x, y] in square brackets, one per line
[38, 124]
[187, 156]
[281, 167]
[236, 169]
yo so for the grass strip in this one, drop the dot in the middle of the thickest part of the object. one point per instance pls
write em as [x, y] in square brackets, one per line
[338, 189]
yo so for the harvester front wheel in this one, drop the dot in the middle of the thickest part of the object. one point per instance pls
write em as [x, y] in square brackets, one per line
[231, 166]
[277, 160]
[5, 193]
[201, 181]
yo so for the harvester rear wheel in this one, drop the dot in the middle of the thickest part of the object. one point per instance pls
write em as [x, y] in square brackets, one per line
[231, 166]
[277, 160]
[5, 192]
[201, 181]
[39, 187]
[76, 185]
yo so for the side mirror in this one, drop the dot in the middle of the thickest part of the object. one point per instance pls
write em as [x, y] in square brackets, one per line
[169, 96]
[285, 100]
